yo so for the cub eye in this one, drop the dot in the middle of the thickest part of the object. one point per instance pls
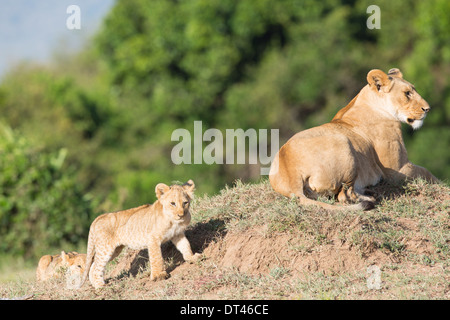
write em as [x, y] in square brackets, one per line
[173, 204]
[408, 94]
[185, 203]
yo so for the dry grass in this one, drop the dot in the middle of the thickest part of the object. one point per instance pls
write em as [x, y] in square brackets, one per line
[257, 244]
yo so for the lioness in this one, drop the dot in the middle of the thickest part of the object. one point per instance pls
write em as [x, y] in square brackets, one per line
[51, 266]
[147, 226]
[362, 144]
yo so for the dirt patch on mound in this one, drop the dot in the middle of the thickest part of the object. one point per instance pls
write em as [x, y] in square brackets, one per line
[256, 253]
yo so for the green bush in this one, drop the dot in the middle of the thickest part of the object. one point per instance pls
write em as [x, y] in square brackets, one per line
[155, 66]
[42, 205]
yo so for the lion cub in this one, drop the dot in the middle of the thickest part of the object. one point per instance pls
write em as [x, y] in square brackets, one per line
[147, 226]
[51, 266]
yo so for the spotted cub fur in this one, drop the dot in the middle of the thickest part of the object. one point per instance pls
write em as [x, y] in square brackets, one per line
[147, 226]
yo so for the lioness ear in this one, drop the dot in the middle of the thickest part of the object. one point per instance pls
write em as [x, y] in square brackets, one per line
[189, 187]
[379, 81]
[160, 189]
[394, 72]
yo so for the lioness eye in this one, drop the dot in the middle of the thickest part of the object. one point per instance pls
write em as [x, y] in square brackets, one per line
[185, 203]
[173, 204]
[408, 94]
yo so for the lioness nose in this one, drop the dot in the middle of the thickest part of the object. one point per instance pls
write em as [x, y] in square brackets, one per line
[426, 109]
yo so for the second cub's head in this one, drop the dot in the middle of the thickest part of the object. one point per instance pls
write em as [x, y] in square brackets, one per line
[176, 199]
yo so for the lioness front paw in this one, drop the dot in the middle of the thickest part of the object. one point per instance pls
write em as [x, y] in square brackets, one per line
[159, 276]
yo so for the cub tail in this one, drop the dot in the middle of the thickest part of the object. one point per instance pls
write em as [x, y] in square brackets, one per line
[89, 257]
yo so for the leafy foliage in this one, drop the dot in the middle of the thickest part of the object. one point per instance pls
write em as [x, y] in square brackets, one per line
[156, 66]
[41, 203]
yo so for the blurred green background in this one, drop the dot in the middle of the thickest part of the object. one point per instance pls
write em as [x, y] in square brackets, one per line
[91, 132]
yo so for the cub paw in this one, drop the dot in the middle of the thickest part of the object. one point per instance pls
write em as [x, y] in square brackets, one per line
[193, 258]
[159, 276]
[98, 286]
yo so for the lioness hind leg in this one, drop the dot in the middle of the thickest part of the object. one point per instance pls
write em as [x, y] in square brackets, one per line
[349, 194]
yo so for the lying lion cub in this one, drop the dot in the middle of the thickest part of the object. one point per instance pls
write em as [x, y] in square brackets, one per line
[147, 226]
[362, 144]
[51, 266]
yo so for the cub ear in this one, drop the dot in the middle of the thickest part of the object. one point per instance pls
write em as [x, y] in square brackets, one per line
[160, 189]
[379, 81]
[64, 256]
[189, 186]
[394, 72]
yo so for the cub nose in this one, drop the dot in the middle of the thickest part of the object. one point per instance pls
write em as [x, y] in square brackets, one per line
[426, 109]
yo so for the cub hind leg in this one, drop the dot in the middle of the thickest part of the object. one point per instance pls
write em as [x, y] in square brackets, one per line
[101, 259]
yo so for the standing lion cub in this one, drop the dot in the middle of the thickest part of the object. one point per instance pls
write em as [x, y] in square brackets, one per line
[147, 226]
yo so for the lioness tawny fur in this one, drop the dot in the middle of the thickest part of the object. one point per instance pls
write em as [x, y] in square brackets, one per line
[360, 146]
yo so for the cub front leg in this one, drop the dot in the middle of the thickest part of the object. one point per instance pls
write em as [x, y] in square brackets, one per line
[156, 261]
[182, 244]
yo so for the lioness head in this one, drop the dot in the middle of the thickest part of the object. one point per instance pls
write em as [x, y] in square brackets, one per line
[175, 199]
[398, 96]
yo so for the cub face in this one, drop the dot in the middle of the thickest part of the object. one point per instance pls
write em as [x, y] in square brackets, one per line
[71, 259]
[176, 199]
[78, 263]
[51, 266]
[406, 103]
